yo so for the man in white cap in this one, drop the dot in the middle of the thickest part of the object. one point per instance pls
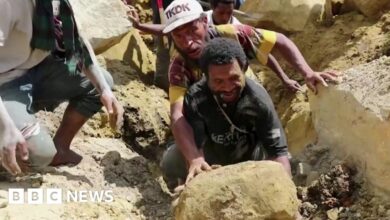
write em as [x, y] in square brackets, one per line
[187, 25]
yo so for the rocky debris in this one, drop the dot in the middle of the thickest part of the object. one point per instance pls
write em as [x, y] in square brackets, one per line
[372, 8]
[332, 190]
[136, 172]
[144, 10]
[353, 39]
[286, 15]
[146, 128]
[364, 206]
[361, 103]
[102, 22]
[249, 190]
[328, 175]
[342, 46]
[299, 127]
[132, 51]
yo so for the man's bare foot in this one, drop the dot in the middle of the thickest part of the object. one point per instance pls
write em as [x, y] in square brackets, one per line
[68, 157]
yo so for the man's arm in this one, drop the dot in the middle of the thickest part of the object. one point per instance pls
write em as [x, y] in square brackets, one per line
[265, 42]
[293, 56]
[274, 65]
[185, 140]
[11, 141]
[183, 133]
[11, 138]
[284, 161]
[260, 43]
[93, 72]
[155, 29]
[269, 129]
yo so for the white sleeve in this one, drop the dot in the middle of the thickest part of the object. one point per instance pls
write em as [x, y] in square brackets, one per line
[5, 21]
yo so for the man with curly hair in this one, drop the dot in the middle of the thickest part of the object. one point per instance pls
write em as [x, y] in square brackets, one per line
[232, 117]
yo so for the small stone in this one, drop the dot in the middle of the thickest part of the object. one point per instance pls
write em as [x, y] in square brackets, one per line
[313, 175]
[381, 210]
[303, 169]
[333, 214]
[373, 201]
[354, 208]
[358, 215]
[3, 204]
[343, 215]
[111, 158]
[36, 184]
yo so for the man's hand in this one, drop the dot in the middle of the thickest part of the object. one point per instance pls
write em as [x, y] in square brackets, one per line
[321, 77]
[285, 163]
[13, 143]
[292, 85]
[133, 16]
[197, 165]
[127, 2]
[114, 109]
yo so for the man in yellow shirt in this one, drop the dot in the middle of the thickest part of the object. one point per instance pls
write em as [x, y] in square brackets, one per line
[187, 25]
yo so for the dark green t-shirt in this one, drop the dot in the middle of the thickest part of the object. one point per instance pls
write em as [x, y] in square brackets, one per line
[254, 114]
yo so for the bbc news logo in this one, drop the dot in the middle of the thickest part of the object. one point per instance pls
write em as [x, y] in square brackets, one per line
[57, 196]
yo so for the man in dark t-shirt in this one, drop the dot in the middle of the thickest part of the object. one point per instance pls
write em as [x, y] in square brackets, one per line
[232, 117]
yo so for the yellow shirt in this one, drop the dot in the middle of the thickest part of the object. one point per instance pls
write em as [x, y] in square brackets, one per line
[255, 42]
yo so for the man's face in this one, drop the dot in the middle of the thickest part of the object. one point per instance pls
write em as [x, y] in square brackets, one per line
[226, 81]
[190, 38]
[223, 13]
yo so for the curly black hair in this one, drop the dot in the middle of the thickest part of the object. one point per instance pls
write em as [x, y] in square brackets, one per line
[220, 51]
[214, 3]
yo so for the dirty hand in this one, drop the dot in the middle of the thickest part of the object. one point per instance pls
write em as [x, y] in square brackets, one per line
[13, 143]
[197, 165]
[114, 109]
[133, 16]
[321, 77]
[292, 85]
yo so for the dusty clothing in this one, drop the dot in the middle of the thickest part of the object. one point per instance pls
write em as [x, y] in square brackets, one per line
[255, 131]
[31, 79]
[43, 88]
[184, 72]
[210, 20]
[234, 130]
[16, 55]
[55, 27]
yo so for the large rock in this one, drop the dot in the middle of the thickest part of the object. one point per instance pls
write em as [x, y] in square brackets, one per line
[251, 190]
[286, 15]
[299, 128]
[354, 119]
[102, 22]
[372, 8]
[132, 51]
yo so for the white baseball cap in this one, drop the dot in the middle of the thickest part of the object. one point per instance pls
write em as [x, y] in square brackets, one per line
[181, 12]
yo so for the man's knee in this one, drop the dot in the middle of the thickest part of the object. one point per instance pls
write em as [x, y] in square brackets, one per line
[41, 150]
[173, 164]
